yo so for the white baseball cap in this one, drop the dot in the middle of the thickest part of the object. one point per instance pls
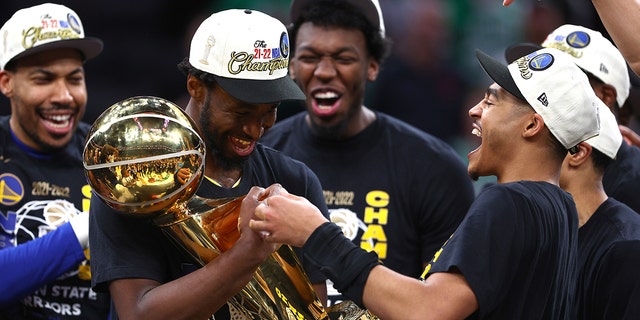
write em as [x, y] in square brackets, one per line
[610, 139]
[591, 51]
[555, 87]
[44, 27]
[247, 52]
[370, 9]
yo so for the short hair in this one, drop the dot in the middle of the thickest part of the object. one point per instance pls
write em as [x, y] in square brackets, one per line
[187, 69]
[333, 13]
[553, 143]
[600, 160]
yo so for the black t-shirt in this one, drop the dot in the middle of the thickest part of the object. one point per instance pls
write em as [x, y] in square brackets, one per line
[621, 179]
[32, 184]
[125, 247]
[517, 249]
[609, 264]
[392, 188]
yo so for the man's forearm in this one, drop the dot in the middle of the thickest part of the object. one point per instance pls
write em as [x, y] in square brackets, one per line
[621, 18]
[28, 266]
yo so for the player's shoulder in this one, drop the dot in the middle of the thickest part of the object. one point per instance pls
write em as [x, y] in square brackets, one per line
[524, 190]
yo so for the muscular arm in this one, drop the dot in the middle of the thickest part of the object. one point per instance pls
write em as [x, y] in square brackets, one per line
[390, 295]
[291, 219]
[197, 295]
[201, 293]
[621, 19]
[33, 264]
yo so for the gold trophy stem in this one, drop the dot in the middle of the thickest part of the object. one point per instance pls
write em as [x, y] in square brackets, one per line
[279, 289]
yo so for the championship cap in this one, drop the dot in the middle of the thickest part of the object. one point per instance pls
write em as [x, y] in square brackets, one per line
[555, 87]
[247, 52]
[369, 8]
[44, 27]
[610, 139]
[591, 51]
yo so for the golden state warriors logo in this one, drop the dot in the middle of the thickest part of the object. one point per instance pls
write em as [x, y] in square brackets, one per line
[541, 62]
[284, 45]
[578, 39]
[74, 23]
[11, 189]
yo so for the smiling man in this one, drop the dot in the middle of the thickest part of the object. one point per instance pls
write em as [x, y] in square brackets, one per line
[396, 190]
[514, 254]
[44, 195]
[236, 78]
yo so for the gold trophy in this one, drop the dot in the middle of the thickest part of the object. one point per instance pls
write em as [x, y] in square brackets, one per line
[144, 158]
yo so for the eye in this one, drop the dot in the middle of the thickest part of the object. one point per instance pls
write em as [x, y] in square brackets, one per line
[345, 59]
[308, 58]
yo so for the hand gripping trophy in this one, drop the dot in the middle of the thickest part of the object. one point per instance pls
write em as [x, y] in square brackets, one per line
[144, 158]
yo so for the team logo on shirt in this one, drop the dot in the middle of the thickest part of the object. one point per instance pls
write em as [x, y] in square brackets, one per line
[11, 189]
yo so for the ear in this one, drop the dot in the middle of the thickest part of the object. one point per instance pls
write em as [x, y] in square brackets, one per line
[196, 88]
[5, 83]
[583, 154]
[608, 95]
[534, 125]
[373, 70]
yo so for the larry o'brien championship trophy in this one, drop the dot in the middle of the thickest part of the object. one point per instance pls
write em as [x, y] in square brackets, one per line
[144, 158]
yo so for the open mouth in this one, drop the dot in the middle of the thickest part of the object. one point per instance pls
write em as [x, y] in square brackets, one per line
[326, 102]
[58, 124]
[242, 147]
[476, 132]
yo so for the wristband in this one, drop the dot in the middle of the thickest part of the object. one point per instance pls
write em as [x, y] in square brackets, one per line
[346, 264]
[80, 225]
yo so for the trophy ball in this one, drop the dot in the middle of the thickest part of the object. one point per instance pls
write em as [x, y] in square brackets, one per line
[143, 155]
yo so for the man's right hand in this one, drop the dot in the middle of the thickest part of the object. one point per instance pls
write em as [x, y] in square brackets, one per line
[258, 246]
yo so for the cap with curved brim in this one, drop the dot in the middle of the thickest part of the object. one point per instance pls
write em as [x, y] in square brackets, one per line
[369, 8]
[261, 91]
[520, 50]
[88, 46]
[499, 73]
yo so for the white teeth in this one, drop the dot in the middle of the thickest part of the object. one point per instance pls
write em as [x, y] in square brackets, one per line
[476, 132]
[58, 118]
[326, 95]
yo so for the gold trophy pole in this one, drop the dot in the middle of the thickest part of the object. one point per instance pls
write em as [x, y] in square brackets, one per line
[144, 158]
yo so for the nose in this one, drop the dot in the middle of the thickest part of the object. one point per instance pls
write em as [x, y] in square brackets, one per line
[325, 68]
[476, 111]
[254, 128]
[61, 93]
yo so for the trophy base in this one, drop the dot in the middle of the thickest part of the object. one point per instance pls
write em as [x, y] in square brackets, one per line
[348, 310]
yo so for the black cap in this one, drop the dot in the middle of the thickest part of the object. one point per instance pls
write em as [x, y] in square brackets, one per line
[499, 73]
[520, 50]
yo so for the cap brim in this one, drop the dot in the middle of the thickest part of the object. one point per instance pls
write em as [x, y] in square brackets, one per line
[89, 47]
[261, 91]
[367, 8]
[499, 73]
[520, 50]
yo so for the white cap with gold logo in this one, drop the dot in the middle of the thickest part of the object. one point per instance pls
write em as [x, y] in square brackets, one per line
[44, 27]
[247, 52]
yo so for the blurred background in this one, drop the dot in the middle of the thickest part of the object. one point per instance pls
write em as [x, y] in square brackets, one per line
[430, 81]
